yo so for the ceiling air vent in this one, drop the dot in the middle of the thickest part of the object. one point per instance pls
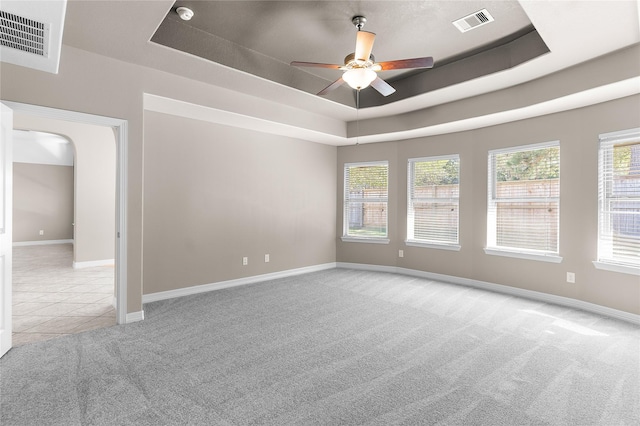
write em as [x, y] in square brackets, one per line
[474, 20]
[31, 33]
[24, 34]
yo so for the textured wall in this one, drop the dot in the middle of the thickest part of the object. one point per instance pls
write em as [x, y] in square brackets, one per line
[42, 200]
[96, 84]
[577, 131]
[95, 183]
[215, 194]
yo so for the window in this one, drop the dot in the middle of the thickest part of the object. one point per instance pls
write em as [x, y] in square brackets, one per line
[433, 200]
[524, 198]
[365, 201]
[619, 199]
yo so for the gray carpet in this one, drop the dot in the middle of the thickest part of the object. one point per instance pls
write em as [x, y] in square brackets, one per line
[331, 348]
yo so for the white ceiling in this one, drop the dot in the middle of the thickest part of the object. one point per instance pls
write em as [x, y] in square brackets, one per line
[42, 148]
[322, 31]
[574, 31]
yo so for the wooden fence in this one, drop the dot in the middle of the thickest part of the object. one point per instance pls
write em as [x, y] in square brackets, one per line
[520, 224]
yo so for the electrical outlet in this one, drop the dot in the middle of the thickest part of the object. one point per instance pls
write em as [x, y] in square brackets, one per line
[266, 258]
[42, 232]
[245, 261]
[400, 253]
[571, 277]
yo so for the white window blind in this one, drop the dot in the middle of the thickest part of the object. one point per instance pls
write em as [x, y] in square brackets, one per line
[433, 200]
[366, 199]
[524, 199]
[619, 198]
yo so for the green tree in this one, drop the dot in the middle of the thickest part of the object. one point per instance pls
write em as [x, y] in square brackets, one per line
[367, 177]
[436, 172]
[528, 165]
[626, 159]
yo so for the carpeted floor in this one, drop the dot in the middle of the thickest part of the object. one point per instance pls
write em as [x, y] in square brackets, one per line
[331, 348]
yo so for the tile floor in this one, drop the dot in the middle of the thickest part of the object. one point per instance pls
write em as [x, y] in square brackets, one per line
[51, 299]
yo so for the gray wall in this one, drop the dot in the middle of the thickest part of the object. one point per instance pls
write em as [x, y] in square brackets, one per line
[578, 132]
[215, 194]
[99, 85]
[96, 84]
[42, 200]
[94, 182]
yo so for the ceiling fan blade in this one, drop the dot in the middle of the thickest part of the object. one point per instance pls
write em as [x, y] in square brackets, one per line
[364, 45]
[315, 64]
[426, 62]
[331, 87]
[382, 86]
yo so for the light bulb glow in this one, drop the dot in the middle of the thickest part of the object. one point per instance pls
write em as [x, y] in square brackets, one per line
[359, 78]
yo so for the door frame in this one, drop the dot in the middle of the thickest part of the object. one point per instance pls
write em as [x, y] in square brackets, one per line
[6, 177]
[120, 127]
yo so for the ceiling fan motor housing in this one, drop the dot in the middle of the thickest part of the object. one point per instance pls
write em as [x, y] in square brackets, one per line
[350, 61]
[360, 68]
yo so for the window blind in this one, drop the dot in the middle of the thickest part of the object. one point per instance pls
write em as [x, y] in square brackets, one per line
[524, 198]
[366, 199]
[619, 198]
[433, 200]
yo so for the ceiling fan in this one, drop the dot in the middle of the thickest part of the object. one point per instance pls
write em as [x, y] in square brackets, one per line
[360, 68]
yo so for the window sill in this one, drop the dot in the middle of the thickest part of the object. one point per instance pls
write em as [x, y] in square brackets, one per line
[416, 243]
[347, 239]
[553, 258]
[623, 269]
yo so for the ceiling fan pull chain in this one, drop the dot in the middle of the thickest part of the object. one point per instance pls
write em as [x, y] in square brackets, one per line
[358, 117]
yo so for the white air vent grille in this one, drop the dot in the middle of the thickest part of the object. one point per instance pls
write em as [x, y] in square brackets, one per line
[474, 20]
[23, 34]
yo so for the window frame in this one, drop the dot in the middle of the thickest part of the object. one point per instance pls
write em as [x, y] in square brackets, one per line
[416, 242]
[346, 199]
[605, 259]
[491, 247]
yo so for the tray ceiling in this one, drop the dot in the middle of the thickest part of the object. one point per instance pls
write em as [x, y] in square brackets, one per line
[263, 37]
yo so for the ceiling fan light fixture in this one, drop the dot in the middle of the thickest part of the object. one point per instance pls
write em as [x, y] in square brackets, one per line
[361, 67]
[359, 78]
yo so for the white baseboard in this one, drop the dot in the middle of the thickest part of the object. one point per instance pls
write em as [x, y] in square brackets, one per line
[93, 263]
[187, 291]
[41, 243]
[499, 288]
[134, 317]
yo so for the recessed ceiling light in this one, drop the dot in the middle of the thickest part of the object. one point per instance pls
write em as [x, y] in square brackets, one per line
[184, 13]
